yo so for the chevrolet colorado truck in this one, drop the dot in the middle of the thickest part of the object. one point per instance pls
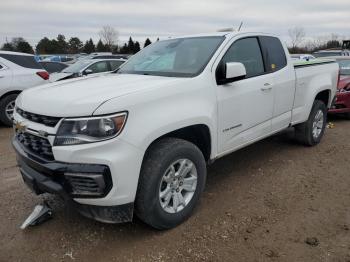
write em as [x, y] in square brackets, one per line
[137, 141]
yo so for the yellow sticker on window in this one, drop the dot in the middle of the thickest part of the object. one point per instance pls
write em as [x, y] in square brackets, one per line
[273, 66]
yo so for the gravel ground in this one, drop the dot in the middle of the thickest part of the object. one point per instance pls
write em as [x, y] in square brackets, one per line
[272, 201]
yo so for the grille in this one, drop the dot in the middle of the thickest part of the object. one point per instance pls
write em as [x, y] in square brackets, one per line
[92, 184]
[46, 120]
[36, 145]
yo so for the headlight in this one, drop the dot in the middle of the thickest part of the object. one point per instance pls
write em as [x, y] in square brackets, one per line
[90, 129]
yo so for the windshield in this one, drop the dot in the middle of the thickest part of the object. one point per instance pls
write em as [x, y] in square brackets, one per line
[344, 66]
[76, 67]
[184, 57]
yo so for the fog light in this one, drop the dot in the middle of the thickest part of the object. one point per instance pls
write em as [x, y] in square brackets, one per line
[86, 183]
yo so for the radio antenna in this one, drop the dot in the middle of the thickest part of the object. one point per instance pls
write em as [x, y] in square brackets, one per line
[240, 26]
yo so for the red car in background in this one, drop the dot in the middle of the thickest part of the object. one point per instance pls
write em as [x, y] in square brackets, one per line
[342, 102]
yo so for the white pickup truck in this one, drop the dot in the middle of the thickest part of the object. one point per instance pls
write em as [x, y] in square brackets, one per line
[137, 141]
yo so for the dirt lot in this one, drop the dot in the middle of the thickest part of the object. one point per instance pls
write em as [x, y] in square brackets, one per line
[260, 204]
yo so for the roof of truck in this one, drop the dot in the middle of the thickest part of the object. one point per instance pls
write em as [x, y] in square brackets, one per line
[228, 33]
[14, 53]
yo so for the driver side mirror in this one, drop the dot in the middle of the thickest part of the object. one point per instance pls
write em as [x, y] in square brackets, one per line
[234, 71]
[87, 72]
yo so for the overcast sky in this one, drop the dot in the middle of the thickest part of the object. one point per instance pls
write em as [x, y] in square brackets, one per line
[34, 19]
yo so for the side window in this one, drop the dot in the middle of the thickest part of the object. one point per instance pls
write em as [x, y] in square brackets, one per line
[99, 67]
[274, 53]
[22, 60]
[246, 51]
[1, 67]
[115, 64]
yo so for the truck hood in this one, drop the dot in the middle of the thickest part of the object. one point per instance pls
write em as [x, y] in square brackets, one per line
[82, 96]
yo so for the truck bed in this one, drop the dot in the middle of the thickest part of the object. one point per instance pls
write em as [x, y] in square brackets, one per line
[311, 77]
[313, 62]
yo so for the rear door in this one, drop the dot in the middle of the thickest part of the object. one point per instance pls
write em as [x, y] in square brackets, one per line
[5, 78]
[245, 106]
[283, 77]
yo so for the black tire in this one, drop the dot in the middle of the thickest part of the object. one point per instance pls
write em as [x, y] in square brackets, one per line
[347, 116]
[303, 131]
[3, 104]
[157, 160]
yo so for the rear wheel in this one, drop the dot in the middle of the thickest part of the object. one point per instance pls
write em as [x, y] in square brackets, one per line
[7, 108]
[171, 181]
[311, 132]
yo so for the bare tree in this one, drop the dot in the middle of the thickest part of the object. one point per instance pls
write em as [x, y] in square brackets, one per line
[109, 36]
[297, 35]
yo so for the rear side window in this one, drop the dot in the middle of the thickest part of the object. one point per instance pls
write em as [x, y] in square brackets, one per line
[0, 66]
[274, 53]
[22, 60]
[52, 67]
[246, 51]
[99, 67]
[115, 64]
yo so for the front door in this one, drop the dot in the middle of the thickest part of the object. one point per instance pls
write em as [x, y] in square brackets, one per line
[245, 107]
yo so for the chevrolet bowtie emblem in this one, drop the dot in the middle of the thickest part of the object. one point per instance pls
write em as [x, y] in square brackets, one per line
[20, 127]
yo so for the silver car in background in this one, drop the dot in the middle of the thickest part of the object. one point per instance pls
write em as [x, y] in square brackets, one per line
[87, 67]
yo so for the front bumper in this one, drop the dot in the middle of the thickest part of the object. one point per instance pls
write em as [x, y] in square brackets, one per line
[49, 177]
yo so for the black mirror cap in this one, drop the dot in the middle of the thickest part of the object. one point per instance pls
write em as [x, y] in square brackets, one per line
[221, 75]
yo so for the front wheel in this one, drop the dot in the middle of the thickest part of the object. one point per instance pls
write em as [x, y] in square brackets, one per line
[171, 181]
[311, 132]
[7, 108]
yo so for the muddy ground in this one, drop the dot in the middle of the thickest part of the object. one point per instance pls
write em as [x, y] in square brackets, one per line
[260, 204]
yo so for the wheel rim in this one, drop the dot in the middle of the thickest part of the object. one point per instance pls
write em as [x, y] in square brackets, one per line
[9, 109]
[178, 186]
[317, 125]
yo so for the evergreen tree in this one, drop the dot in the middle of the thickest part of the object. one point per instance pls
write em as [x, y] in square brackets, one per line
[18, 44]
[147, 42]
[47, 46]
[89, 46]
[7, 47]
[124, 49]
[61, 45]
[136, 47]
[24, 47]
[100, 47]
[75, 45]
[43, 46]
[131, 46]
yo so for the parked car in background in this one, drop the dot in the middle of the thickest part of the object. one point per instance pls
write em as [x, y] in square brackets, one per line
[87, 67]
[342, 102]
[39, 58]
[104, 55]
[331, 52]
[60, 58]
[306, 57]
[110, 57]
[53, 67]
[141, 137]
[18, 71]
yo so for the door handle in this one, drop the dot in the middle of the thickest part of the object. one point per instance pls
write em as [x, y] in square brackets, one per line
[1, 76]
[267, 87]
